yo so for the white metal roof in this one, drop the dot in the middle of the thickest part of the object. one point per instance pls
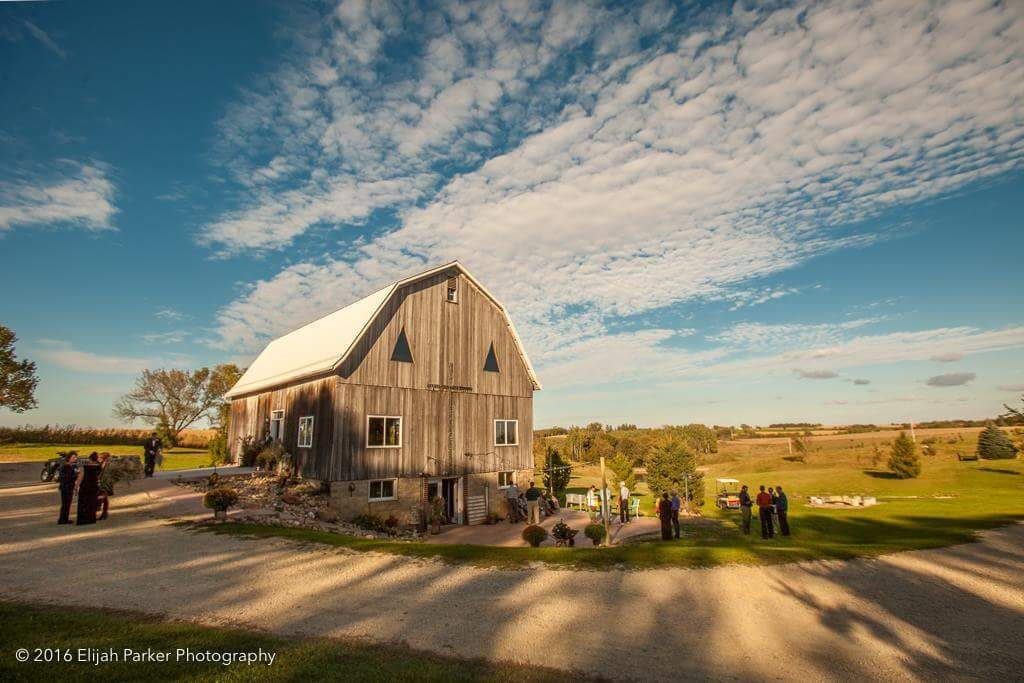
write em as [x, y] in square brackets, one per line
[324, 344]
[727, 481]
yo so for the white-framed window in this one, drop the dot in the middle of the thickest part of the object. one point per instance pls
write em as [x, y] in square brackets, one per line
[276, 424]
[384, 431]
[383, 489]
[306, 431]
[506, 479]
[506, 432]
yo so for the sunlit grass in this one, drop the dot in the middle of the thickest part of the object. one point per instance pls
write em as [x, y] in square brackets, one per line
[174, 458]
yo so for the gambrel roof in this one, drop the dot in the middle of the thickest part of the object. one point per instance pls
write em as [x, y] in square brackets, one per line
[323, 345]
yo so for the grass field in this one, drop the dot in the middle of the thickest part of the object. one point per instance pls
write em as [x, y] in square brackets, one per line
[947, 504]
[174, 458]
[31, 626]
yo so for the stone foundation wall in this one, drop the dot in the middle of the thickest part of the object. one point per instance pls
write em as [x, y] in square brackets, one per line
[350, 503]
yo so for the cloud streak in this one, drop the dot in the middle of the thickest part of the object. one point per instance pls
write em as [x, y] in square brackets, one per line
[79, 195]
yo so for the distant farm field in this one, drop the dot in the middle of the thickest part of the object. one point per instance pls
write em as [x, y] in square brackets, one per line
[174, 459]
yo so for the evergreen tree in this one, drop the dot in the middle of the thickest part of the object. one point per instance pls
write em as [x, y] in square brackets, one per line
[622, 468]
[667, 467]
[556, 472]
[993, 444]
[904, 460]
[18, 378]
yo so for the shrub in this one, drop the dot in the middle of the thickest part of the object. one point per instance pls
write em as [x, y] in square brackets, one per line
[391, 523]
[993, 444]
[220, 499]
[271, 455]
[369, 522]
[904, 460]
[595, 532]
[250, 448]
[535, 535]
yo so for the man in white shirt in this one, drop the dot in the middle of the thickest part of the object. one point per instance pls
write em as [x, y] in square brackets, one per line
[623, 502]
[512, 495]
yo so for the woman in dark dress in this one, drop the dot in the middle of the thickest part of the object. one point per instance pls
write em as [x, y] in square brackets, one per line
[664, 514]
[88, 490]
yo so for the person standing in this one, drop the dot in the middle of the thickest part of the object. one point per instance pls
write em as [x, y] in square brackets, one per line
[623, 502]
[665, 517]
[512, 497]
[676, 504]
[68, 481]
[745, 506]
[592, 498]
[88, 490]
[151, 448]
[764, 508]
[775, 519]
[106, 487]
[533, 504]
[782, 510]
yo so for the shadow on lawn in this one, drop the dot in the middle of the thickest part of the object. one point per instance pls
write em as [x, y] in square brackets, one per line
[997, 470]
[880, 474]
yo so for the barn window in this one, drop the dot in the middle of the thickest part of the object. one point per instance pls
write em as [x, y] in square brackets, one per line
[491, 363]
[506, 479]
[506, 432]
[453, 290]
[382, 489]
[306, 431]
[276, 424]
[402, 352]
[383, 431]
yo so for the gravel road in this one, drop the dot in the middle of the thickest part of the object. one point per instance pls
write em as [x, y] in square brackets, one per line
[952, 613]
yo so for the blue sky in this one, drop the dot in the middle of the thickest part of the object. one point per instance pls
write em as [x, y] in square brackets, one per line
[720, 213]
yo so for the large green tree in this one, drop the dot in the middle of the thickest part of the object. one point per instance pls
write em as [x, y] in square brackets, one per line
[177, 399]
[670, 464]
[993, 444]
[904, 460]
[17, 377]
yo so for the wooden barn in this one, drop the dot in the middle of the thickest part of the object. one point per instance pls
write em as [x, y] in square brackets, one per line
[420, 389]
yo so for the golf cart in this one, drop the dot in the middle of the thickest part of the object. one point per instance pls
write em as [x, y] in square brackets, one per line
[728, 497]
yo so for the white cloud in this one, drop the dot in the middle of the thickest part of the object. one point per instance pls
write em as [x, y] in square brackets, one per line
[948, 357]
[727, 149]
[171, 337]
[79, 195]
[1011, 387]
[168, 313]
[816, 374]
[62, 353]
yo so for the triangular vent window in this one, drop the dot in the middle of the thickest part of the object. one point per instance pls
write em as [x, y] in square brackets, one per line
[491, 364]
[402, 352]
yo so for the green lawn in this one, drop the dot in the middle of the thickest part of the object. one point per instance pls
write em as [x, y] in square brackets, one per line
[947, 504]
[30, 627]
[174, 458]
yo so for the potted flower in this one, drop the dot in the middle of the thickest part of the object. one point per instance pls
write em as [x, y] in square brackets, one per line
[535, 535]
[564, 534]
[437, 515]
[595, 532]
[219, 500]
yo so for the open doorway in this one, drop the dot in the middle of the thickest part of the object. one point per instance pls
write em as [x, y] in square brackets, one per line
[449, 488]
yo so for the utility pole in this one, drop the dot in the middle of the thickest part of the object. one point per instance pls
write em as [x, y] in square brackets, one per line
[686, 491]
[604, 504]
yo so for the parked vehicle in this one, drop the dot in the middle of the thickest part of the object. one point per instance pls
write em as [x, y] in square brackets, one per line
[728, 497]
[51, 469]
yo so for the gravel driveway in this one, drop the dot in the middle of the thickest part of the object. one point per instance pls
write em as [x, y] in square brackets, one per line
[954, 612]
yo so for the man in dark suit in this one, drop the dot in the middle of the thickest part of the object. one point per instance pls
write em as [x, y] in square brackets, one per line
[151, 448]
[68, 479]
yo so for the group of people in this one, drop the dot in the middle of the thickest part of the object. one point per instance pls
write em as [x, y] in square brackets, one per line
[772, 508]
[667, 510]
[529, 505]
[596, 500]
[85, 479]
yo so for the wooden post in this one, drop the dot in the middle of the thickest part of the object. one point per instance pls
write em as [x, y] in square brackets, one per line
[789, 442]
[686, 492]
[605, 504]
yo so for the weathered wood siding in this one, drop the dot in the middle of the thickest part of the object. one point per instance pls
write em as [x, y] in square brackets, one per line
[249, 417]
[449, 344]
